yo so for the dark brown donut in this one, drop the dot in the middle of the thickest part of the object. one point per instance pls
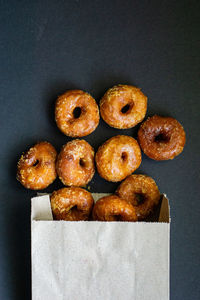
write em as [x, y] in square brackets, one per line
[161, 138]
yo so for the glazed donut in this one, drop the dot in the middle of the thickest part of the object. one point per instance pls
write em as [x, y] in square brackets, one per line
[75, 163]
[142, 192]
[71, 204]
[36, 168]
[123, 106]
[113, 208]
[161, 138]
[76, 113]
[118, 157]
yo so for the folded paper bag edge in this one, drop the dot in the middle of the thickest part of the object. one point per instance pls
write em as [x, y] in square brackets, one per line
[41, 208]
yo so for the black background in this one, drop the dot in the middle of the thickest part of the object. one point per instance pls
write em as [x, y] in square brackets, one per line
[47, 47]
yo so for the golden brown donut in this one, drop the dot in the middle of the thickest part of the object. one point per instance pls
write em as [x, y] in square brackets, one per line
[76, 113]
[36, 168]
[123, 106]
[75, 163]
[71, 204]
[118, 157]
[161, 138]
[113, 208]
[142, 192]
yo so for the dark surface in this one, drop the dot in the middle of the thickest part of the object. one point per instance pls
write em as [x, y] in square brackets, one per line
[48, 47]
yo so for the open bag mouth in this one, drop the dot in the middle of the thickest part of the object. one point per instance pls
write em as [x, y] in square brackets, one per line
[41, 209]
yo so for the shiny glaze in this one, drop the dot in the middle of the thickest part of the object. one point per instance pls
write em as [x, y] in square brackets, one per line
[115, 99]
[118, 157]
[75, 163]
[173, 137]
[88, 119]
[36, 168]
[71, 204]
[113, 208]
[144, 186]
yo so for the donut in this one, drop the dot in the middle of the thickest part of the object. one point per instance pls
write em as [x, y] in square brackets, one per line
[161, 138]
[118, 157]
[113, 208]
[123, 106]
[36, 168]
[76, 113]
[142, 192]
[75, 163]
[71, 204]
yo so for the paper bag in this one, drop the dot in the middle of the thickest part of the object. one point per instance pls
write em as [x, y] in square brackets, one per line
[99, 260]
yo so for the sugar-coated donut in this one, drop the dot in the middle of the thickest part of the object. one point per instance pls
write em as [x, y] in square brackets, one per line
[113, 208]
[123, 106]
[161, 138]
[71, 204]
[142, 192]
[75, 163]
[76, 113]
[36, 168]
[118, 157]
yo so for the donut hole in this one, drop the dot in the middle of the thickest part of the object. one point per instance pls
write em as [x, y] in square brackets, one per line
[74, 209]
[126, 108]
[35, 163]
[139, 198]
[161, 138]
[124, 156]
[82, 162]
[77, 112]
[77, 213]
